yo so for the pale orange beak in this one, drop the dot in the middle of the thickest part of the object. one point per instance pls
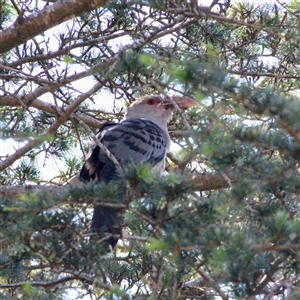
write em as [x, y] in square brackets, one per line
[184, 102]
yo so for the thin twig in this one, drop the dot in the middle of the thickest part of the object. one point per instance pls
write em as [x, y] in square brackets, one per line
[276, 247]
[97, 142]
[49, 133]
[158, 88]
[211, 282]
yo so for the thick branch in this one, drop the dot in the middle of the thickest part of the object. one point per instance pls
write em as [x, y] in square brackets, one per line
[24, 29]
[212, 181]
[203, 182]
[52, 283]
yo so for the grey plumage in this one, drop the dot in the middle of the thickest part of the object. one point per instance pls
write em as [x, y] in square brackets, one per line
[141, 138]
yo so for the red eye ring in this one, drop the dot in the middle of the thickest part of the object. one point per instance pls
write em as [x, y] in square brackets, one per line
[151, 102]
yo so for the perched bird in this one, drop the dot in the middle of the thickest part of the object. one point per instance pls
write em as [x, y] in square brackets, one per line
[142, 137]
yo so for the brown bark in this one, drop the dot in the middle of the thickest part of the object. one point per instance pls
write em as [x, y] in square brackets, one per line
[202, 182]
[24, 29]
[14, 101]
[212, 181]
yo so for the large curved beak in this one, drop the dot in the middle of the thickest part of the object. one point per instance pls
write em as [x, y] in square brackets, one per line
[184, 102]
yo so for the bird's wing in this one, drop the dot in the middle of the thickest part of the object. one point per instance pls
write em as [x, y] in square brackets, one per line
[133, 140]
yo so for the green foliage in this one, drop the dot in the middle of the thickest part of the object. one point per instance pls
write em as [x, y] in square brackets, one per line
[232, 230]
[6, 14]
[26, 171]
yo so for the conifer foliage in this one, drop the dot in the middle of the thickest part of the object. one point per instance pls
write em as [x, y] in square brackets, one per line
[223, 222]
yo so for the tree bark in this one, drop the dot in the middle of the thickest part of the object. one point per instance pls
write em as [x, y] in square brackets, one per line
[202, 182]
[26, 28]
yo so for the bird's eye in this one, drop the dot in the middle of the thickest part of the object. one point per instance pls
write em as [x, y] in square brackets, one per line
[152, 102]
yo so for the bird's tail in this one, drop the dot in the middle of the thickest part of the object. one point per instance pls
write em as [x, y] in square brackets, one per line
[106, 220]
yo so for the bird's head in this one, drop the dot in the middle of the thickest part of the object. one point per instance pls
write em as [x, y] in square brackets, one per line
[157, 108]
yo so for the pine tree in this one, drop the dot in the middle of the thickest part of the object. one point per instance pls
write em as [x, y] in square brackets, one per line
[223, 222]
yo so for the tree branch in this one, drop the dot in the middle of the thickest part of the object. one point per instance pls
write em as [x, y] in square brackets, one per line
[61, 119]
[39, 283]
[211, 282]
[98, 143]
[23, 29]
[203, 182]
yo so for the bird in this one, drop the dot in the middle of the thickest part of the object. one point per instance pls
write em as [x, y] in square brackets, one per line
[140, 138]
